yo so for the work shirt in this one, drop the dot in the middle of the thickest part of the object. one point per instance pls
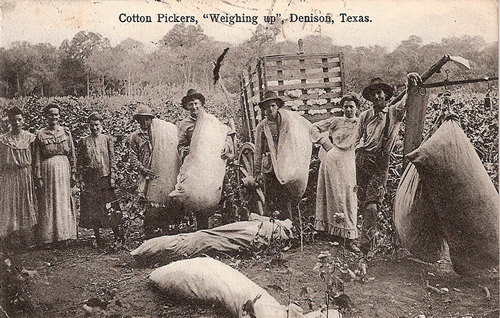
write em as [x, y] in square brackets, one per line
[186, 129]
[141, 150]
[262, 159]
[371, 127]
[96, 154]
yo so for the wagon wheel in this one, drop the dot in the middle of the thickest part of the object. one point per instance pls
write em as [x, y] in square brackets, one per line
[246, 169]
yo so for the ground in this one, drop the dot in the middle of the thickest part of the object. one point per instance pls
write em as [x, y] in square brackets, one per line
[60, 281]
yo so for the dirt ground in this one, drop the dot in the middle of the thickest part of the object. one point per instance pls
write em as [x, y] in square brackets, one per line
[64, 279]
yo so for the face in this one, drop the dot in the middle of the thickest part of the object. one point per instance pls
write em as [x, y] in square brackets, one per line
[16, 122]
[95, 127]
[349, 108]
[271, 109]
[144, 122]
[378, 99]
[194, 106]
[52, 116]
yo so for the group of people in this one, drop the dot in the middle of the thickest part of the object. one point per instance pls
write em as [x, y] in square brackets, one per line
[38, 172]
[354, 157]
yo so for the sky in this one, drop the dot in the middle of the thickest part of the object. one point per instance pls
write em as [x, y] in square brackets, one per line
[391, 21]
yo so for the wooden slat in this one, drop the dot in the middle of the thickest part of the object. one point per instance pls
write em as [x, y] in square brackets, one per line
[296, 74]
[335, 94]
[318, 81]
[301, 57]
[302, 86]
[306, 65]
[318, 117]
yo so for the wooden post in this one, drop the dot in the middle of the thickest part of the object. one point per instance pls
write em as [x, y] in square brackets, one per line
[416, 105]
[416, 108]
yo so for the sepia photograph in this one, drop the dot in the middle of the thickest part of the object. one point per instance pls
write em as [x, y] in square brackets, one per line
[244, 158]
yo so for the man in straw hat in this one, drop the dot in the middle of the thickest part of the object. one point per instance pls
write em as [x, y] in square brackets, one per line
[154, 154]
[378, 130]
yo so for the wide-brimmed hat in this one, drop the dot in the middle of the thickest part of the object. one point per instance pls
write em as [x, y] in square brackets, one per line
[376, 84]
[271, 96]
[143, 110]
[191, 95]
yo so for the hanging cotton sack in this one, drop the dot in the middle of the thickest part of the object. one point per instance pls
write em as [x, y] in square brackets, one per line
[199, 183]
[292, 158]
[415, 218]
[463, 195]
[164, 160]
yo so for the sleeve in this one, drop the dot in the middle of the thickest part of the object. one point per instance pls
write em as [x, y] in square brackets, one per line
[259, 151]
[134, 149]
[399, 108]
[318, 129]
[72, 152]
[111, 154]
[183, 138]
[37, 158]
[359, 129]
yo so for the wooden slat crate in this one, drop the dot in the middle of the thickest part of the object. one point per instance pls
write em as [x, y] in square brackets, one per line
[311, 84]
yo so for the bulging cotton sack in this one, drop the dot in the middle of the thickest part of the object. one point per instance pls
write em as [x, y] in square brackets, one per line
[199, 183]
[233, 238]
[164, 160]
[464, 196]
[292, 158]
[415, 218]
[209, 280]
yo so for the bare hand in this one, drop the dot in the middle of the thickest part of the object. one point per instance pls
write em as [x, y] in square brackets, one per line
[72, 180]
[39, 184]
[259, 179]
[327, 146]
[414, 79]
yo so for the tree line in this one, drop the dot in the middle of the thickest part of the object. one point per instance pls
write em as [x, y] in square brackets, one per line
[88, 65]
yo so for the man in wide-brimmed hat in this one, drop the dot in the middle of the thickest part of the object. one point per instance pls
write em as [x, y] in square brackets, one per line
[279, 196]
[194, 103]
[378, 130]
[153, 152]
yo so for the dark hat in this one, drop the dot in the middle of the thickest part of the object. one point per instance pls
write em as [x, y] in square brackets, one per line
[94, 116]
[376, 84]
[49, 107]
[270, 96]
[191, 95]
[11, 112]
[143, 110]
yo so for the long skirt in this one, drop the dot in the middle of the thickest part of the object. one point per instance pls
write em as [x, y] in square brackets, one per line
[17, 204]
[336, 200]
[93, 199]
[57, 218]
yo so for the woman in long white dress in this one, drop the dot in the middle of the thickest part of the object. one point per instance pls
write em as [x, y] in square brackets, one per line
[336, 200]
[54, 172]
[17, 204]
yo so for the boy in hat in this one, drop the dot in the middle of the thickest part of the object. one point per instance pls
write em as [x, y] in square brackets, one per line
[96, 163]
[153, 153]
[377, 132]
[278, 197]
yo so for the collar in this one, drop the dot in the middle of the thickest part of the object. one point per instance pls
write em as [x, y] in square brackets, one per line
[278, 119]
[379, 113]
